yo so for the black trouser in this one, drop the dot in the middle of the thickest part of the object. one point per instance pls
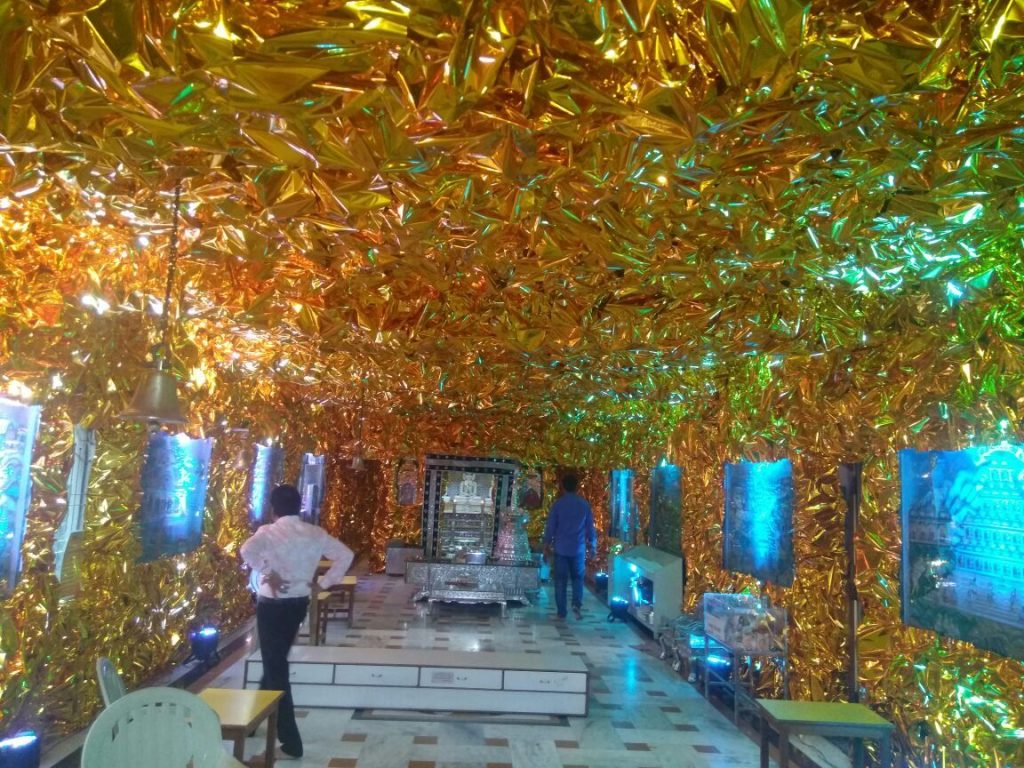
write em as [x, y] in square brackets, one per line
[278, 623]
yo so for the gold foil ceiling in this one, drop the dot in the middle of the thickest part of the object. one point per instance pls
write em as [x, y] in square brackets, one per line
[583, 233]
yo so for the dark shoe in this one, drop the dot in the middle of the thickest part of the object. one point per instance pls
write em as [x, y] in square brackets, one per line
[294, 752]
[561, 617]
[577, 613]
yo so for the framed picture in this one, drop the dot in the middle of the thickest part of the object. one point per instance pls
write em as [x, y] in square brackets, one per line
[530, 488]
[407, 482]
[83, 455]
[962, 516]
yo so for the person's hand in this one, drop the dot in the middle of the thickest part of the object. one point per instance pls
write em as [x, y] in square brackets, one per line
[273, 580]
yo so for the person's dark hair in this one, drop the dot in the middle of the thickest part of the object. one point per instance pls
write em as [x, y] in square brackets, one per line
[570, 483]
[285, 500]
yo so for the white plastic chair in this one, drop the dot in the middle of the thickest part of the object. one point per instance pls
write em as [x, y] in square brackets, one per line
[111, 685]
[156, 728]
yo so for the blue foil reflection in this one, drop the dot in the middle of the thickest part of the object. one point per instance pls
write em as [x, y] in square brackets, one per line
[758, 527]
[267, 471]
[623, 507]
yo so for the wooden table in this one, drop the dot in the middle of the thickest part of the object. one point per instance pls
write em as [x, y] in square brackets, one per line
[241, 712]
[347, 589]
[823, 718]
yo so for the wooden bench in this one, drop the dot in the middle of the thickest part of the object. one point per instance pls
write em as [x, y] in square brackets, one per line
[823, 718]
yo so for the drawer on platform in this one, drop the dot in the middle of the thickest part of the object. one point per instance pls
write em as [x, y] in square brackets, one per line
[352, 674]
[297, 672]
[562, 682]
[454, 677]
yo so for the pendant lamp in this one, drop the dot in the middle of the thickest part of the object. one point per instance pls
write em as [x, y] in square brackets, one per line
[156, 399]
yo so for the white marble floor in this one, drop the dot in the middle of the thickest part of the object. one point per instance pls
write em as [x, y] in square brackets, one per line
[642, 714]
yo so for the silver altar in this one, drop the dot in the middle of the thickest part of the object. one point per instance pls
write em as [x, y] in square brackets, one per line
[435, 577]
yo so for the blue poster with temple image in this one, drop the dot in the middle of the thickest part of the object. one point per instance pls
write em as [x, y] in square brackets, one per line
[267, 474]
[963, 544]
[758, 527]
[175, 474]
[18, 427]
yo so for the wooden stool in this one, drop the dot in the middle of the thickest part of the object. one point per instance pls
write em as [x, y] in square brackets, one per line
[338, 602]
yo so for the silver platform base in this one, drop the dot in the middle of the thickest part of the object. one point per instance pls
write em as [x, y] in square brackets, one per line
[465, 597]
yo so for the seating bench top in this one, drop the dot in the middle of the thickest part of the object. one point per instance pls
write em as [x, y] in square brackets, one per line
[425, 657]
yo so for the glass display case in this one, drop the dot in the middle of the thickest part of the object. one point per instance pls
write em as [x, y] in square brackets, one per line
[460, 497]
[743, 623]
[466, 523]
[650, 582]
[748, 633]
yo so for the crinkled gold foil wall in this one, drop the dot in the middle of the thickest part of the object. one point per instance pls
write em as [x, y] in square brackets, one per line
[358, 506]
[955, 705]
[558, 231]
[80, 360]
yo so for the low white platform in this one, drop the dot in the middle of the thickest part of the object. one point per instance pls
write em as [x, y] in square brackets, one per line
[428, 680]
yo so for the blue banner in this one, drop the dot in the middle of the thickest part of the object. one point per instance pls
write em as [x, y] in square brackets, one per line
[666, 521]
[622, 506]
[174, 479]
[758, 527]
[18, 427]
[267, 474]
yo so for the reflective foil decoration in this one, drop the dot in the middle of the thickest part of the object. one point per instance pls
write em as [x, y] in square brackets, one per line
[575, 234]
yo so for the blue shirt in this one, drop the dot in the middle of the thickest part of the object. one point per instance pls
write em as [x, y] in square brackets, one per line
[571, 526]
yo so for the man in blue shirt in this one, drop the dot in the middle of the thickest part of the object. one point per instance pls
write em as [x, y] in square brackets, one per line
[571, 531]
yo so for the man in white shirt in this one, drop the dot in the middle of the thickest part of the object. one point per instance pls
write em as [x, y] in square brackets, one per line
[286, 554]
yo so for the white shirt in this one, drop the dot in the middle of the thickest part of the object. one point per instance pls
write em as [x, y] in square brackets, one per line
[286, 554]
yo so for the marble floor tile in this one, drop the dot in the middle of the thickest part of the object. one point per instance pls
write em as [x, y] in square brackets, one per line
[642, 714]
